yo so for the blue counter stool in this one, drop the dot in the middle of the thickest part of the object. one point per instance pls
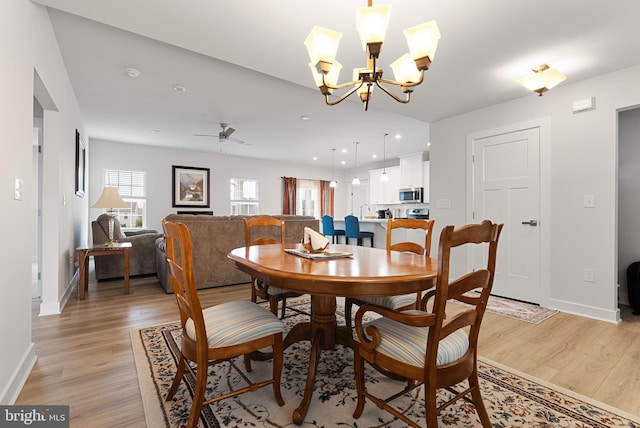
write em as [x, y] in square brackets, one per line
[352, 226]
[329, 230]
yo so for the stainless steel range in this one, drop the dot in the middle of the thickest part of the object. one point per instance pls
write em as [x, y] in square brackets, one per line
[419, 213]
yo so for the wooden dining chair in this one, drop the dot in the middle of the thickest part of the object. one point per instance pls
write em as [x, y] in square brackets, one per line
[425, 346]
[264, 230]
[407, 301]
[218, 333]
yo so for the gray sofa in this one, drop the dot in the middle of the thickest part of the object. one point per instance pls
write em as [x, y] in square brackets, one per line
[212, 238]
[142, 257]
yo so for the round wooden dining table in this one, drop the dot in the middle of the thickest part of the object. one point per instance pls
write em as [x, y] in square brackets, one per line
[362, 271]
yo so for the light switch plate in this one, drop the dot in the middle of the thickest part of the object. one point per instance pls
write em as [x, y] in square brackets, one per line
[17, 195]
[589, 201]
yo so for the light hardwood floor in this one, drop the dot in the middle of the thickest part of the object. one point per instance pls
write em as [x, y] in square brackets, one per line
[85, 358]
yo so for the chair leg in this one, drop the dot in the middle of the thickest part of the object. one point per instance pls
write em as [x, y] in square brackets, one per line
[254, 295]
[198, 393]
[348, 303]
[478, 402]
[273, 304]
[358, 366]
[182, 365]
[278, 361]
[284, 307]
[431, 407]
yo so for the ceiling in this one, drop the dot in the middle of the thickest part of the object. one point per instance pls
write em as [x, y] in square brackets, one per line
[246, 65]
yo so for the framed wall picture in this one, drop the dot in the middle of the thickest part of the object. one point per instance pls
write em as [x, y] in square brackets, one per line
[190, 186]
[81, 159]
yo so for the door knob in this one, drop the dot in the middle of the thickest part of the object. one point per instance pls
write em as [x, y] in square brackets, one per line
[531, 222]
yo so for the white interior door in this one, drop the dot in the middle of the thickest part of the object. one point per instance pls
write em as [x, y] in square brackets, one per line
[506, 189]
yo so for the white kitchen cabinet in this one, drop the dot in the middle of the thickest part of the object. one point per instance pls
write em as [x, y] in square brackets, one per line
[384, 192]
[411, 171]
[425, 171]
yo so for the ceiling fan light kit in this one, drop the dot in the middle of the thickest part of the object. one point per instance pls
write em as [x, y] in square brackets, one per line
[371, 23]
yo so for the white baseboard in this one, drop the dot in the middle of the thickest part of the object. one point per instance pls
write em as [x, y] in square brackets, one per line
[585, 311]
[55, 308]
[19, 377]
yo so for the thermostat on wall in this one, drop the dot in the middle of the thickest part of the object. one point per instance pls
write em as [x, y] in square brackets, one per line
[584, 105]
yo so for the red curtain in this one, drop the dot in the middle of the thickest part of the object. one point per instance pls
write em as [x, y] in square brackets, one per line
[289, 186]
[326, 198]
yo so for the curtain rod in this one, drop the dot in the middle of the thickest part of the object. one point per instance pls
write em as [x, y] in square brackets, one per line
[308, 179]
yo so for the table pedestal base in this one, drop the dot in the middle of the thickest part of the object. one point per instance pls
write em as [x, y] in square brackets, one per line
[324, 333]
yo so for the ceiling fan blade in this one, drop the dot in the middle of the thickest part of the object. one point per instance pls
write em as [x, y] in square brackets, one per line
[205, 135]
[237, 141]
[228, 132]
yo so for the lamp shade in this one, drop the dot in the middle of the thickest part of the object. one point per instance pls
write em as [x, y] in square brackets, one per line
[372, 23]
[423, 40]
[322, 45]
[110, 199]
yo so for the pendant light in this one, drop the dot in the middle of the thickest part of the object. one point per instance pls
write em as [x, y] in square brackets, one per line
[384, 176]
[356, 180]
[333, 181]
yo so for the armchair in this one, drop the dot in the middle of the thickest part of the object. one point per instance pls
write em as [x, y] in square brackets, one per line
[142, 256]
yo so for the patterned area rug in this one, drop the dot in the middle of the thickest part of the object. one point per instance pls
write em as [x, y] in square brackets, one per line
[515, 309]
[512, 399]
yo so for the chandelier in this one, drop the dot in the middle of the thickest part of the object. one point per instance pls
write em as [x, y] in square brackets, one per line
[371, 23]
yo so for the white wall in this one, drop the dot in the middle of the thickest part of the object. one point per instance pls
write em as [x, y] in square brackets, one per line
[28, 45]
[582, 155]
[628, 196]
[157, 163]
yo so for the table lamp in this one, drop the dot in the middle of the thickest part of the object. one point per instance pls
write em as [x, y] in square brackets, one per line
[110, 199]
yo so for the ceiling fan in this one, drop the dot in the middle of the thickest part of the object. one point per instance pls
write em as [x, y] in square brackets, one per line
[224, 135]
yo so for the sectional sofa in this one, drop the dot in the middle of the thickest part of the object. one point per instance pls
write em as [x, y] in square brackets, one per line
[212, 238]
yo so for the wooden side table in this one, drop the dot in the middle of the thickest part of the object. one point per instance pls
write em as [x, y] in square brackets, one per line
[101, 250]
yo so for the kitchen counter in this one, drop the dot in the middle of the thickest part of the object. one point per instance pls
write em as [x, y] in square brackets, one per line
[376, 225]
[379, 228]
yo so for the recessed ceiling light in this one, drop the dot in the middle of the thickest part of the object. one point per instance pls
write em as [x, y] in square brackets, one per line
[155, 131]
[179, 88]
[305, 117]
[374, 156]
[132, 72]
[315, 158]
[398, 136]
[428, 144]
[344, 150]
[344, 162]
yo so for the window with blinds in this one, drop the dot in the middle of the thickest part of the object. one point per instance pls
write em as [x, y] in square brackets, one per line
[132, 188]
[244, 196]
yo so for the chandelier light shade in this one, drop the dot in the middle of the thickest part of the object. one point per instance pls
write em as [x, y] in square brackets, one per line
[384, 176]
[356, 180]
[542, 79]
[372, 23]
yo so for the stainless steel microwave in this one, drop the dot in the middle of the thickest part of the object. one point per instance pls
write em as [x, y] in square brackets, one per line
[413, 195]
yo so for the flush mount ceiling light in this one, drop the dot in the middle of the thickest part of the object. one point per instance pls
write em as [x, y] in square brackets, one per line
[543, 79]
[132, 72]
[372, 23]
[356, 180]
